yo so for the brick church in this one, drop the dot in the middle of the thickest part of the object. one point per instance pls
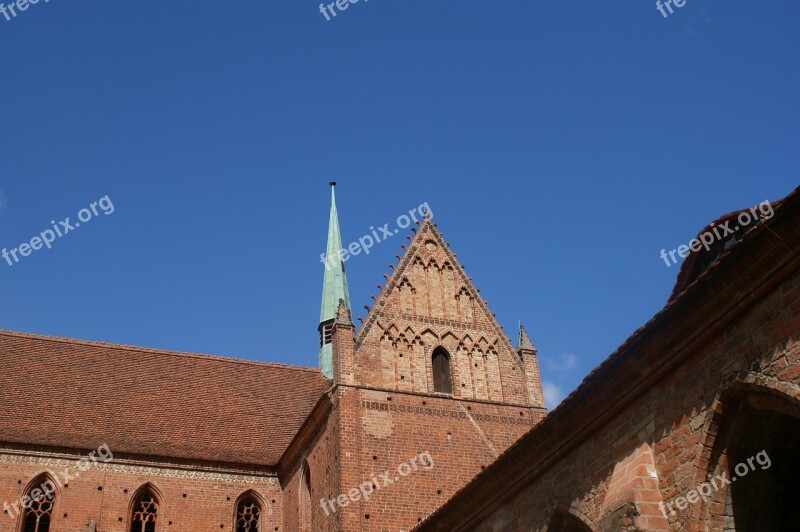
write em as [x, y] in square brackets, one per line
[401, 413]
[426, 417]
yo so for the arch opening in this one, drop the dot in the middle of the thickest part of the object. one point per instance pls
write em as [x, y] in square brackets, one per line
[440, 361]
[248, 513]
[762, 457]
[144, 510]
[39, 512]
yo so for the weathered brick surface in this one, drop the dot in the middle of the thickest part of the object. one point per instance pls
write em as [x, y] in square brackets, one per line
[383, 430]
[321, 458]
[673, 419]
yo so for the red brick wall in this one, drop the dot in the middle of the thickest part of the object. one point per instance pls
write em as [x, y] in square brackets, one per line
[322, 454]
[189, 500]
[383, 430]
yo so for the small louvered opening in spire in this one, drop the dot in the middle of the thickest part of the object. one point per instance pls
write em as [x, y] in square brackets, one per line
[325, 332]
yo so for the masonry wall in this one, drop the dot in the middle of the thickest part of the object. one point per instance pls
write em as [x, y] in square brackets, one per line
[302, 510]
[664, 444]
[386, 434]
[190, 500]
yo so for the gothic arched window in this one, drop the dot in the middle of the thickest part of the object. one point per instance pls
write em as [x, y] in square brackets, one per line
[39, 512]
[441, 371]
[248, 514]
[305, 498]
[144, 512]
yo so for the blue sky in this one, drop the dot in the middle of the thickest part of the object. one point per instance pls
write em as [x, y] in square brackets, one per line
[560, 145]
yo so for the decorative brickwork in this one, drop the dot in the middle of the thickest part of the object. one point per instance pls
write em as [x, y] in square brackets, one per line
[428, 302]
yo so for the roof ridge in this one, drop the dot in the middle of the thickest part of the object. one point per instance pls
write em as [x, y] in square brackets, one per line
[127, 347]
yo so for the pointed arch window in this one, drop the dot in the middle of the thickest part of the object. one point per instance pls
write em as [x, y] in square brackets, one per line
[39, 513]
[305, 498]
[248, 514]
[144, 512]
[441, 371]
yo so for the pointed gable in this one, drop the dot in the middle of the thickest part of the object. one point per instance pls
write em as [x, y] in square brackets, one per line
[429, 301]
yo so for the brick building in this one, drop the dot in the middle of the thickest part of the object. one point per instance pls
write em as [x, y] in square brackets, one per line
[426, 417]
[401, 414]
[692, 424]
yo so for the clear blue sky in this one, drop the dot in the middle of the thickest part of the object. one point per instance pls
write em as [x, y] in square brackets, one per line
[561, 145]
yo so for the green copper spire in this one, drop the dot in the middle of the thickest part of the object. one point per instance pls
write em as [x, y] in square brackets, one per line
[334, 288]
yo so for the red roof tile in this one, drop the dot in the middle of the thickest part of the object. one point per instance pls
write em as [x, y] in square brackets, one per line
[67, 393]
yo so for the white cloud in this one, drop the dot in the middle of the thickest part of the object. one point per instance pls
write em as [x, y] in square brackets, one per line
[552, 395]
[568, 361]
[563, 362]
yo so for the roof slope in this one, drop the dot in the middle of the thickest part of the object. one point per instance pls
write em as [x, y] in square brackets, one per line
[74, 394]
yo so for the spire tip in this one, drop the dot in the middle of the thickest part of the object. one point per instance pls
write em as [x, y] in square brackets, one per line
[524, 341]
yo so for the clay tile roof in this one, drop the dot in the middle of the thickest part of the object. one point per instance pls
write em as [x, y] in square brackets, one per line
[692, 266]
[64, 393]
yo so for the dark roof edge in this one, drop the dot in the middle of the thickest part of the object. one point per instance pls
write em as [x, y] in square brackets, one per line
[164, 462]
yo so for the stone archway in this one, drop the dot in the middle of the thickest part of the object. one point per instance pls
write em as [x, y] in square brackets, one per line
[756, 444]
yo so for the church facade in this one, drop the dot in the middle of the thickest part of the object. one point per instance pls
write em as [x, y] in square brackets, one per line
[402, 412]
